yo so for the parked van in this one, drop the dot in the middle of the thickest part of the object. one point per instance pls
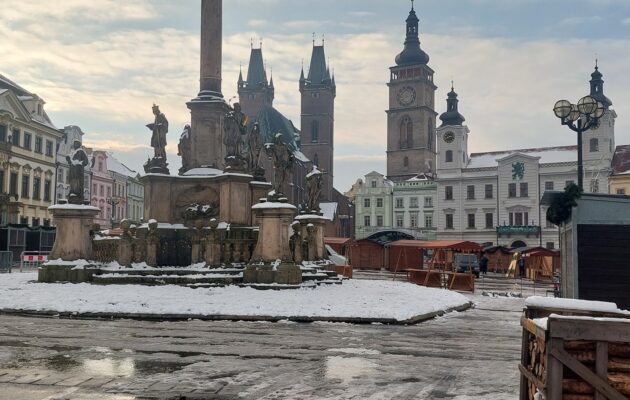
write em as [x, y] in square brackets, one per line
[461, 263]
[335, 257]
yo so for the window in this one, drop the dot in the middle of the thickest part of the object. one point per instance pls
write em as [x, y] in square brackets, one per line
[373, 184]
[413, 220]
[49, 148]
[524, 189]
[448, 193]
[39, 144]
[430, 135]
[489, 191]
[27, 140]
[406, 133]
[512, 190]
[366, 203]
[24, 220]
[47, 189]
[489, 220]
[2, 181]
[399, 220]
[39, 108]
[428, 221]
[94, 189]
[621, 191]
[594, 186]
[593, 145]
[518, 218]
[315, 131]
[568, 183]
[379, 220]
[15, 139]
[37, 187]
[3, 133]
[366, 220]
[449, 156]
[35, 222]
[100, 166]
[471, 221]
[470, 192]
[46, 222]
[551, 245]
[400, 202]
[428, 202]
[13, 183]
[549, 185]
[449, 221]
[379, 202]
[102, 190]
[25, 185]
[413, 202]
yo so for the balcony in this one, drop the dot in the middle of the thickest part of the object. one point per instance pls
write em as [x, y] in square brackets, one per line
[509, 231]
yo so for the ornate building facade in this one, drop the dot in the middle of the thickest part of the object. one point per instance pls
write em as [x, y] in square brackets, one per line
[411, 114]
[28, 141]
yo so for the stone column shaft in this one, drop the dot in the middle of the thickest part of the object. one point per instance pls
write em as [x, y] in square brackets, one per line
[211, 45]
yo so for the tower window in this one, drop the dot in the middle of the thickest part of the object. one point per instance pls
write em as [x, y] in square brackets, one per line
[449, 156]
[406, 133]
[315, 131]
[594, 145]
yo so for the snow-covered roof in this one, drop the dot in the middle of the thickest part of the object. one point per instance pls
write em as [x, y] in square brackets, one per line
[329, 210]
[204, 171]
[547, 155]
[114, 165]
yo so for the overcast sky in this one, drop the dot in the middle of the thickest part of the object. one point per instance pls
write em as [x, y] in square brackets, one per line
[102, 64]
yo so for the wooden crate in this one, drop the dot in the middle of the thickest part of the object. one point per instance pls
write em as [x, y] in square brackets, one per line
[575, 358]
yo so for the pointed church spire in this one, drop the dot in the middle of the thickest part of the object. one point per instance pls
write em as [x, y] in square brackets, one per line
[240, 75]
[271, 79]
[412, 53]
[256, 74]
[452, 115]
[597, 87]
[318, 73]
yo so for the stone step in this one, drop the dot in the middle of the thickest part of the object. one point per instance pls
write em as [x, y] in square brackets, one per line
[174, 272]
[112, 279]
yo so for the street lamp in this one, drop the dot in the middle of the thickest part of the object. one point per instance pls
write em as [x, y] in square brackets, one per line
[112, 201]
[580, 118]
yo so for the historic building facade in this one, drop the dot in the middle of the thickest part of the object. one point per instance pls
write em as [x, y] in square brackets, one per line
[135, 199]
[318, 90]
[28, 141]
[414, 202]
[373, 205]
[411, 115]
[619, 181]
[494, 197]
[102, 187]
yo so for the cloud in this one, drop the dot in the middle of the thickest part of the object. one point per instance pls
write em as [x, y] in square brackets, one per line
[581, 20]
[257, 23]
[303, 24]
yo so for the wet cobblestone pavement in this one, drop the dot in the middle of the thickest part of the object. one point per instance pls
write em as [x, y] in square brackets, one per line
[468, 355]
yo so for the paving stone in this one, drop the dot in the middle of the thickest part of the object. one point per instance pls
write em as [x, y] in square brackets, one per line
[74, 381]
[28, 379]
[97, 382]
[10, 377]
[51, 379]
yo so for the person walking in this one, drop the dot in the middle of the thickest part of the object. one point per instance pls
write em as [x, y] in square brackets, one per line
[521, 266]
[483, 264]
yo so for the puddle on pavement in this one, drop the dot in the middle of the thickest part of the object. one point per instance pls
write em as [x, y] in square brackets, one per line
[348, 368]
[62, 363]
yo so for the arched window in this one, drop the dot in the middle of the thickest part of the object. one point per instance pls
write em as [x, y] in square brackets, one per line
[315, 131]
[449, 155]
[594, 145]
[316, 160]
[406, 133]
[430, 135]
[406, 162]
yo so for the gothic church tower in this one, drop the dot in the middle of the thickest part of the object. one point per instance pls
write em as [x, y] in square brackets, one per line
[318, 117]
[255, 92]
[411, 115]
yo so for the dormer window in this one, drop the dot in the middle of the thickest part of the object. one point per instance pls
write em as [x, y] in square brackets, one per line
[39, 108]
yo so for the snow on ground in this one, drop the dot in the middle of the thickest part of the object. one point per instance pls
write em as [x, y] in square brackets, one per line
[352, 299]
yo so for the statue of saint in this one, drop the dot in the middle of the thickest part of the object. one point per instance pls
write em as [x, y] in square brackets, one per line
[314, 190]
[183, 148]
[78, 161]
[235, 130]
[255, 146]
[159, 128]
[282, 159]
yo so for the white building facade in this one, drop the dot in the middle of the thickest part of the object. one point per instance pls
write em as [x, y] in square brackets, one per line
[414, 202]
[494, 198]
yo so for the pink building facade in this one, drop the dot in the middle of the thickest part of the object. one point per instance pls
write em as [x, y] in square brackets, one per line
[102, 188]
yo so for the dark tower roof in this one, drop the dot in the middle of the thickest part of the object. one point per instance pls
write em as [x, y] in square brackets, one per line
[412, 53]
[318, 73]
[256, 74]
[452, 115]
[597, 88]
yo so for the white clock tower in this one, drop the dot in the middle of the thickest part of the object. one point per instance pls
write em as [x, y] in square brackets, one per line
[411, 115]
[452, 137]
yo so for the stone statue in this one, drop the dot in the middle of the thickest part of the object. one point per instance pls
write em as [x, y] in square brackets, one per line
[78, 161]
[314, 190]
[233, 138]
[282, 159]
[183, 148]
[295, 241]
[254, 144]
[159, 128]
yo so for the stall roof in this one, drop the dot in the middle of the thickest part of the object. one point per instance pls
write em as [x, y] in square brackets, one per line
[437, 244]
[336, 240]
[538, 251]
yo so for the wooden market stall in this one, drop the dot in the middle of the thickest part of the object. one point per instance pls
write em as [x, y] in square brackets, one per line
[366, 254]
[438, 270]
[540, 263]
[338, 244]
[499, 258]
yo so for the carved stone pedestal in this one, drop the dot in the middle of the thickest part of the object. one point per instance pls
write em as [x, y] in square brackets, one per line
[274, 220]
[312, 234]
[74, 222]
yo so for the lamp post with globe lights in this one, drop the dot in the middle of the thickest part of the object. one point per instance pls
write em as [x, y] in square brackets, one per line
[579, 118]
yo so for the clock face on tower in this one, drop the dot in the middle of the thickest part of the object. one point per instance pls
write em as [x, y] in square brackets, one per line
[449, 137]
[406, 96]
